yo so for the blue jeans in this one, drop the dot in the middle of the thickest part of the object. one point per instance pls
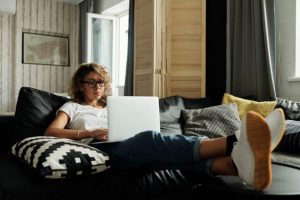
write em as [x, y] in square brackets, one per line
[152, 150]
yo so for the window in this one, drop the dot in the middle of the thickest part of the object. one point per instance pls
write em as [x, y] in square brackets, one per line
[107, 42]
[101, 40]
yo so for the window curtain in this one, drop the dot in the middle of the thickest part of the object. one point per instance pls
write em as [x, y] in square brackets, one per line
[85, 7]
[251, 48]
[128, 88]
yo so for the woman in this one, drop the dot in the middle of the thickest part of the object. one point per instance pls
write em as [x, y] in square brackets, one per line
[85, 118]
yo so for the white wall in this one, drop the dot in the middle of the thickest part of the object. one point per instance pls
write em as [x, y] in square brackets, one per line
[285, 40]
[42, 16]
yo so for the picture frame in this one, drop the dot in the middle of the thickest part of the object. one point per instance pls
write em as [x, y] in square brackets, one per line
[44, 49]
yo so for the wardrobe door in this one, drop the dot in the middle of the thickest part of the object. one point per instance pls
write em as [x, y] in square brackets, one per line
[169, 48]
[148, 72]
[186, 48]
[144, 54]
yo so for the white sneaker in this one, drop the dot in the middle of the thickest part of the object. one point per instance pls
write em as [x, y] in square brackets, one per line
[276, 122]
[252, 153]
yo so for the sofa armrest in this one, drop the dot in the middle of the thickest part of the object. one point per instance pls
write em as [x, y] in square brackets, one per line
[7, 128]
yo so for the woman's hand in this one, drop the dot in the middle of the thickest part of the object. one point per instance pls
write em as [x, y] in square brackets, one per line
[100, 134]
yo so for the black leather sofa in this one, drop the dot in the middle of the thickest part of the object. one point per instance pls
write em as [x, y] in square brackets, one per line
[34, 111]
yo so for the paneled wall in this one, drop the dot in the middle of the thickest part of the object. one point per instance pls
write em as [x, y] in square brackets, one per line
[40, 16]
[6, 60]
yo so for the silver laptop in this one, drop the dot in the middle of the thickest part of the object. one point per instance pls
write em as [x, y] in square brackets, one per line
[129, 115]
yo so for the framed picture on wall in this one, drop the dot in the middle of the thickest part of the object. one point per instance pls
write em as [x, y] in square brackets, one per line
[45, 49]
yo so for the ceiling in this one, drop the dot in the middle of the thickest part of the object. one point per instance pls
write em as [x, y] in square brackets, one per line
[71, 1]
[118, 8]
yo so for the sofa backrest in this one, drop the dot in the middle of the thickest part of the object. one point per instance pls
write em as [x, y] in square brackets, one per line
[35, 110]
[196, 103]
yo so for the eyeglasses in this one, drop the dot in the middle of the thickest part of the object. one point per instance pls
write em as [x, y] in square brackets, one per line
[94, 83]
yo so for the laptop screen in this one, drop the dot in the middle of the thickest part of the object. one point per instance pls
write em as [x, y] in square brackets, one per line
[129, 115]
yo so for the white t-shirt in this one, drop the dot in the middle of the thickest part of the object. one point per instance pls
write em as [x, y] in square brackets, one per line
[84, 117]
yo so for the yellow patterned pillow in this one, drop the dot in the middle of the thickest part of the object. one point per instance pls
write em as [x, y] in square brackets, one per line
[245, 105]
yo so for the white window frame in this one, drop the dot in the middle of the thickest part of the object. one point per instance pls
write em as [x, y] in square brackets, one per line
[118, 36]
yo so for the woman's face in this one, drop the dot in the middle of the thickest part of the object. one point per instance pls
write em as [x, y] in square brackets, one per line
[92, 87]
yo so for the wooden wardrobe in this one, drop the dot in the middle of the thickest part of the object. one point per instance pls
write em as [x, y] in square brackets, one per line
[169, 48]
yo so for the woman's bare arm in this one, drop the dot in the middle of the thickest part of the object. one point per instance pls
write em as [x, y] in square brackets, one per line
[57, 129]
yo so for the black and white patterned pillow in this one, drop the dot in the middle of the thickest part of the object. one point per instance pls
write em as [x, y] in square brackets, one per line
[55, 158]
[213, 122]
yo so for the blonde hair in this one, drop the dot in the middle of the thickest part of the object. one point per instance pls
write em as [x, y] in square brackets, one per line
[83, 70]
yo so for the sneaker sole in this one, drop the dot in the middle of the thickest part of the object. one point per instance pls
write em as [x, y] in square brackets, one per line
[259, 139]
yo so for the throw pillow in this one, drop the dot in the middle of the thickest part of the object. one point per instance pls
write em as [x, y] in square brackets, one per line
[290, 108]
[170, 110]
[35, 110]
[245, 105]
[213, 122]
[292, 126]
[55, 158]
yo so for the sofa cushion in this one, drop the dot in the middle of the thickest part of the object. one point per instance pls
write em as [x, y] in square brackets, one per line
[170, 110]
[214, 121]
[245, 105]
[290, 142]
[19, 182]
[54, 158]
[34, 111]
